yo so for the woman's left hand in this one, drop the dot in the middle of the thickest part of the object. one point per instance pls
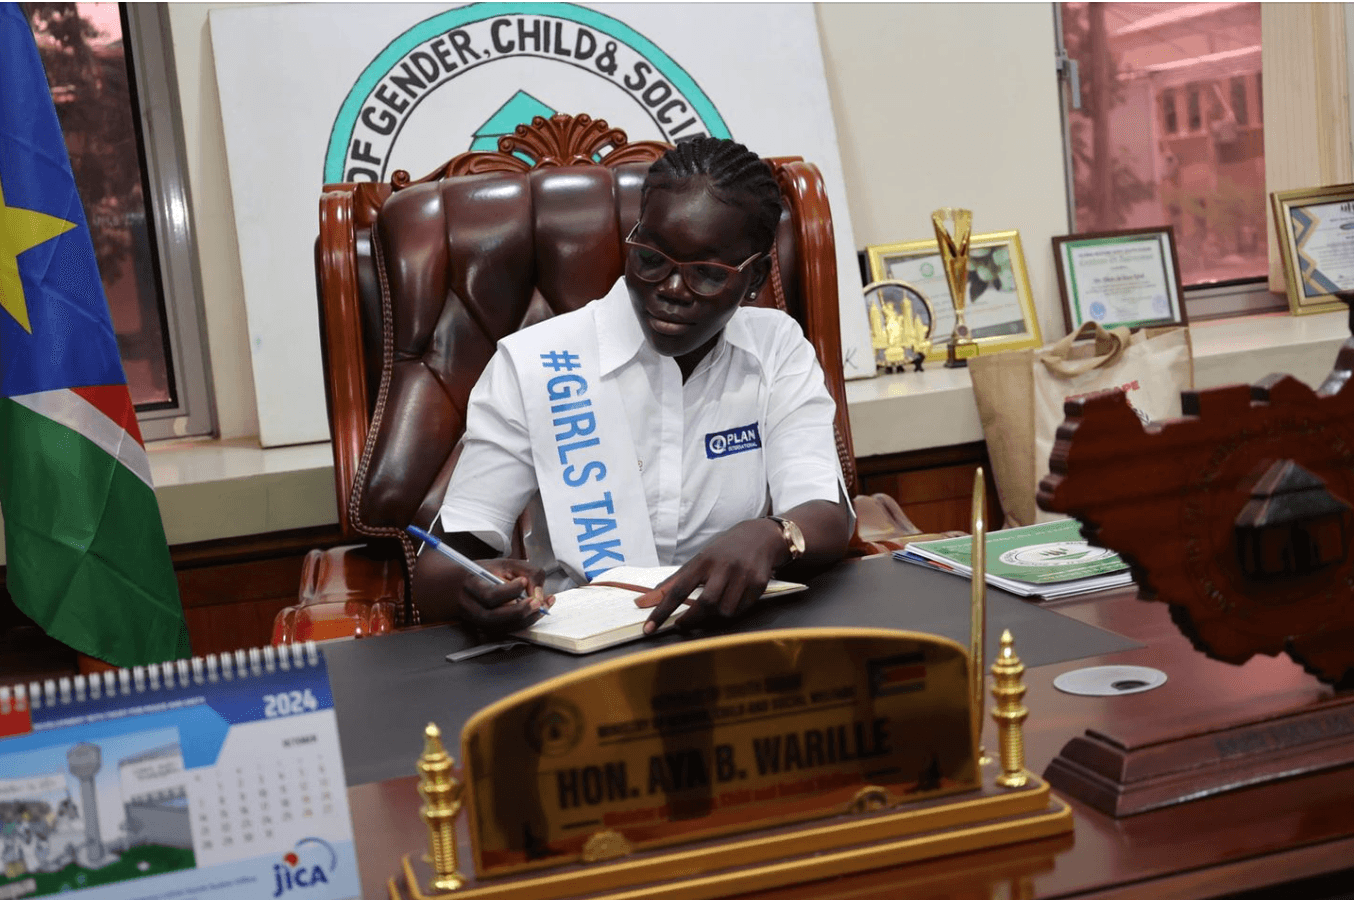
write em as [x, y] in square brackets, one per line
[732, 572]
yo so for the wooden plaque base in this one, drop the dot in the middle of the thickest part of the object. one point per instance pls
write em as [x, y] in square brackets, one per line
[1122, 774]
[809, 851]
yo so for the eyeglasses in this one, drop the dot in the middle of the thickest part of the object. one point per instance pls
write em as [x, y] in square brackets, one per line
[705, 278]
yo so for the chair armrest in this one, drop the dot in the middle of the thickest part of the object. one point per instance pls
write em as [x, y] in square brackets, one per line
[349, 591]
[881, 525]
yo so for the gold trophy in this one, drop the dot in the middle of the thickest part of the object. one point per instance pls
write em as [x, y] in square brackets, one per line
[954, 257]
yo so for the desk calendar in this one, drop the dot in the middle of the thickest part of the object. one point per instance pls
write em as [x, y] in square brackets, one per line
[216, 777]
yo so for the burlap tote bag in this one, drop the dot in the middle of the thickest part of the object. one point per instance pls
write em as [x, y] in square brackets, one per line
[1020, 396]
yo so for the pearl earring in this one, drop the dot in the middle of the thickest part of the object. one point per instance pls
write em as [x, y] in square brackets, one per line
[752, 296]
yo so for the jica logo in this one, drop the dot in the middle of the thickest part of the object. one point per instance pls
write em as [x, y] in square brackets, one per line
[305, 866]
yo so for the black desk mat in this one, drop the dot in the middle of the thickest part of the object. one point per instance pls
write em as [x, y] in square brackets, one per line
[387, 689]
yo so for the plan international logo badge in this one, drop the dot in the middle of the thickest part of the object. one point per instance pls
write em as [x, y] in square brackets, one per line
[524, 60]
[735, 440]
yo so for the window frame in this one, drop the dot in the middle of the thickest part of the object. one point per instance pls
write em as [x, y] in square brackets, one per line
[147, 36]
[1240, 99]
[1202, 302]
[1170, 112]
[1194, 108]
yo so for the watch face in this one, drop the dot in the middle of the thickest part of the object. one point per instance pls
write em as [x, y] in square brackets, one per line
[794, 538]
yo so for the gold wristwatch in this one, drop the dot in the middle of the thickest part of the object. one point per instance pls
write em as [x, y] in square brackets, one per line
[794, 538]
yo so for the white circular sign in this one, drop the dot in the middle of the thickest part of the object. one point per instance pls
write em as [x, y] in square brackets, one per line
[1109, 681]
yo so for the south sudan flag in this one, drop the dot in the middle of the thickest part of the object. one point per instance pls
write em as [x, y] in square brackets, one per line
[85, 547]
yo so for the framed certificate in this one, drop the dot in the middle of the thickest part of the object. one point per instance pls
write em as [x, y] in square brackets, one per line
[1129, 278]
[1316, 240]
[1000, 311]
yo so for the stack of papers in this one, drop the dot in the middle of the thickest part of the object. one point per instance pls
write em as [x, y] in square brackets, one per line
[1049, 560]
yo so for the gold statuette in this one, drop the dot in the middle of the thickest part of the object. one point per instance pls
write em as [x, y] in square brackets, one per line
[441, 794]
[901, 319]
[1010, 713]
[954, 257]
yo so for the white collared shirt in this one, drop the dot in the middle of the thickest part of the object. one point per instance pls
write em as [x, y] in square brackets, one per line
[750, 431]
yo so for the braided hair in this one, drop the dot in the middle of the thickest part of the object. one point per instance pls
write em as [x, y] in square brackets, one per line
[737, 176]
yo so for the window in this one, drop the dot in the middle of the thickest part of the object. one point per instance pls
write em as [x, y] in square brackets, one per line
[1197, 164]
[111, 77]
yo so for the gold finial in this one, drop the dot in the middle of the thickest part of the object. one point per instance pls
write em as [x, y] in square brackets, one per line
[441, 794]
[978, 612]
[1008, 689]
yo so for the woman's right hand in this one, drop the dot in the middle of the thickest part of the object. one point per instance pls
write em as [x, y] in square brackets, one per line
[445, 592]
[498, 608]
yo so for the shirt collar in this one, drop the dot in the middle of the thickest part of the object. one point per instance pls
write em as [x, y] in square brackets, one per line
[738, 333]
[619, 336]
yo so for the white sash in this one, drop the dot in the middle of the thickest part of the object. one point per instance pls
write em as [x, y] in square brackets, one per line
[585, 459]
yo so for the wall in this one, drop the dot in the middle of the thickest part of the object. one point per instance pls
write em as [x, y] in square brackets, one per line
[951, 104]
[214, 220]
[907, 147]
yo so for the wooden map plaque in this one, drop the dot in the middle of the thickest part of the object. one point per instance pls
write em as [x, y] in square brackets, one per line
[1238, 515]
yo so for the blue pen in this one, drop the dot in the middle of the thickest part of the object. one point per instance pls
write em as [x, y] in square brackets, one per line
[459, 558]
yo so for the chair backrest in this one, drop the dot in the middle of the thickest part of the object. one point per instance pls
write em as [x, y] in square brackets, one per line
[418, 280]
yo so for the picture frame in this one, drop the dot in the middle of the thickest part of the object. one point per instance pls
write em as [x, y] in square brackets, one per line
[1129, 277]
[997, 275]
[1315, 227]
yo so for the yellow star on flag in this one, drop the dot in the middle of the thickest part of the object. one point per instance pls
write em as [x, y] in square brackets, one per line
[20, 230]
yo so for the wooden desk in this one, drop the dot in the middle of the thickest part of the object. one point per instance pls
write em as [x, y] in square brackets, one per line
[1246, 840]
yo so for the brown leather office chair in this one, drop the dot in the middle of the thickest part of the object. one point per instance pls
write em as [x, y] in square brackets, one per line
[418, 280]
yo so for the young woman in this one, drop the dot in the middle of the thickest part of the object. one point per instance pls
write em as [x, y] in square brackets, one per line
[659, 425]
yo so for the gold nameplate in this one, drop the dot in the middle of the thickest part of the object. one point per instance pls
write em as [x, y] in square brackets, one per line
[724, 735]
[842, 750]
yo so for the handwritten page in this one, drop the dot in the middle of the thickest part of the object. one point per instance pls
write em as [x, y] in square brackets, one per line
[596, 616]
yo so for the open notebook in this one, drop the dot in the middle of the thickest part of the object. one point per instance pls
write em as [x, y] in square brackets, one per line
[596, 616]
